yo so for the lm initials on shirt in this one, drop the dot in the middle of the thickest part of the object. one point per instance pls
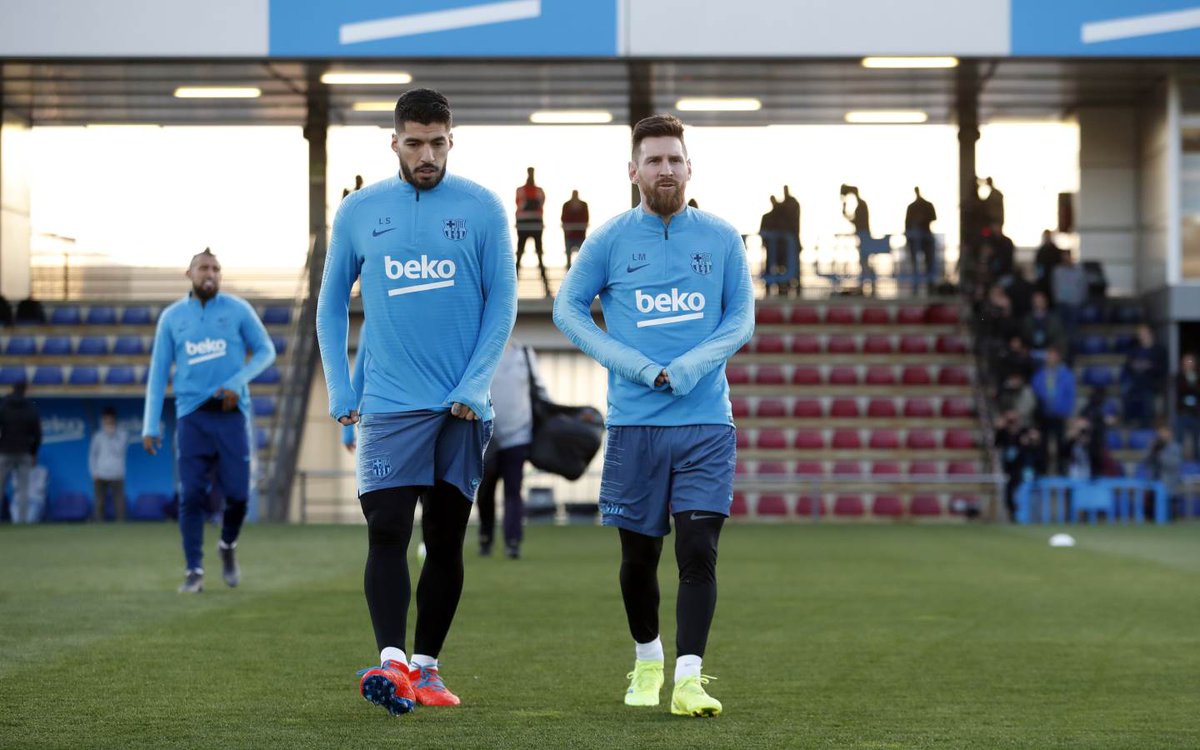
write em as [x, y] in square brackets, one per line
[690, 304]
[419, 270]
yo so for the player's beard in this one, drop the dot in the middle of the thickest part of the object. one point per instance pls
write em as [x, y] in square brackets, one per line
[411, 179]
[205, 293]
[662, 201]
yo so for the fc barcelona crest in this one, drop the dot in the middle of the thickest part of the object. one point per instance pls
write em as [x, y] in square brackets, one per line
[702, 263]
[454, 229]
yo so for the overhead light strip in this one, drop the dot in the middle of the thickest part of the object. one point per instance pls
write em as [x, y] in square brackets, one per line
[909, 63]
[718, 104]
[571, 117]
[365, 78]
[887, 117]
[218, 92]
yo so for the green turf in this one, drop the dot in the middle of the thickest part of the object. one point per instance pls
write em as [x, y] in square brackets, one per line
[829, 636]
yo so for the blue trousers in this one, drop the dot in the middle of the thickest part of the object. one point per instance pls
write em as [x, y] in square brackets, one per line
[212, 451]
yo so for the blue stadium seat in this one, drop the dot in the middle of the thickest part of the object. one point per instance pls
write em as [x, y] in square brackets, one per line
[1093, 345]
[263, 406]
[1128, 314]
[136, 316]
[84, 375]
[11, 375]
[101, 315]
[20, 346]
[1090, 314]
[58, 346]
[70, 506]
[1114, 440]
[280, 344]
[260, 437]
[151, 506]
[1123, 343]
[1190, 469]
[1140, 440]
[120, 375]
[93, 346]
[1097, 376]
[267, 376]
[129, 345]
[48, 375]
[276, 316]
[65, 315]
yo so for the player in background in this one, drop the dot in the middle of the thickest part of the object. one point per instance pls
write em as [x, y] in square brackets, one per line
[433, 257]
[207, 336]
[678, 302]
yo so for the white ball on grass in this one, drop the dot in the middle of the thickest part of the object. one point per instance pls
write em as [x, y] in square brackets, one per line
[1062, 540]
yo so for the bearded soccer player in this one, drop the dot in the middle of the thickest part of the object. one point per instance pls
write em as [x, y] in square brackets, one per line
[433, 257]
[678, 302]
[207, 336]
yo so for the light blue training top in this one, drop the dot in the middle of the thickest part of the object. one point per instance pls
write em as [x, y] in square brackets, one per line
[208, 344]
[676, 297]
[438, 285]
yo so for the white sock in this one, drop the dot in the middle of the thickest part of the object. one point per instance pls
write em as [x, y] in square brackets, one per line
[649, 651]
[222, 545]
[393, 653]
[421, 660]
[687, 666]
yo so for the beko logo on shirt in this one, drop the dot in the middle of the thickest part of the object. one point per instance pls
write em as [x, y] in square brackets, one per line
[418, 270]
[690, 304]
[203, 351]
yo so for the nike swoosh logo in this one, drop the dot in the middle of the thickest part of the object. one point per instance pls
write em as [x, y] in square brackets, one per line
[377, 232]
[698, 517]
[631, 269]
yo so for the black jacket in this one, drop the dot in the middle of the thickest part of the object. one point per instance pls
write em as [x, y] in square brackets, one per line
[20, 426]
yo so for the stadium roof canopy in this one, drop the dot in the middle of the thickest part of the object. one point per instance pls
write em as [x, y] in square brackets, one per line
[506, 91]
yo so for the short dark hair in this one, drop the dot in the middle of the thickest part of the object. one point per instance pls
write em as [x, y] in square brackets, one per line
[108, 411]
[18, 389]
[424, 106]
[656, 126]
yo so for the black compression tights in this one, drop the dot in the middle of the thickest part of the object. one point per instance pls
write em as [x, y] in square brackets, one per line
[696, 556]
[389, 515]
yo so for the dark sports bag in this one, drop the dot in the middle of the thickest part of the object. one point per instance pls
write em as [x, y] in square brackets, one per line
[565, 438]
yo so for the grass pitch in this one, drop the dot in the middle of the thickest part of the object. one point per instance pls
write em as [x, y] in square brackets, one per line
[825, 636]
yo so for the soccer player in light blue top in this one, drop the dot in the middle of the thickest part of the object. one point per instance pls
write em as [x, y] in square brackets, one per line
[207, 336]
[433, 258]
[678, 302]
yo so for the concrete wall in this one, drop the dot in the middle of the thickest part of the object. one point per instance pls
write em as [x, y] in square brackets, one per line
[1109, 205]
[15, 227]
[1159, 249]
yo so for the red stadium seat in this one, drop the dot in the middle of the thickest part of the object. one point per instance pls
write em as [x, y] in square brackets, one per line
[771, 408]
[848, 505]
[920, 440]
[805, 315]
[881, 408]
[846, 468]
[743, 439]
[962, 468]
[808, 506]
[953, 375]
[747, 347]
[738, 508]
[843, 375]
[771, 505]
[957, 407]
[884, 440]
[845, 439]
[918, 408]
[914, 343]
[942, 314]
[881, 375]
[741, 407]
[809, 468]
[885, 469]
[915, 375]
[806, 343]
[925, 505]
[910, 315]
[737, 374]
[844, 408]
[887, 505]
[740, 469]
[839, 315]
[809, 440]
[769, 314]
[924, 469]
[771, 439]
[874, 316]
[807, 408]
[841, 343]
[771, 468]
[877, 343]
[769, 375]
[806, 376]
[768, 344]
[958, 438]
[949, 343]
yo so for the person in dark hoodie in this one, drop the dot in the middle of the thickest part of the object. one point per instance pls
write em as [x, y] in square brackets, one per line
[20, 439]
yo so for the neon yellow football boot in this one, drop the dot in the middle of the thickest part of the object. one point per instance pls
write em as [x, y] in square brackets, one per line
[646, 680]
[689, 698]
